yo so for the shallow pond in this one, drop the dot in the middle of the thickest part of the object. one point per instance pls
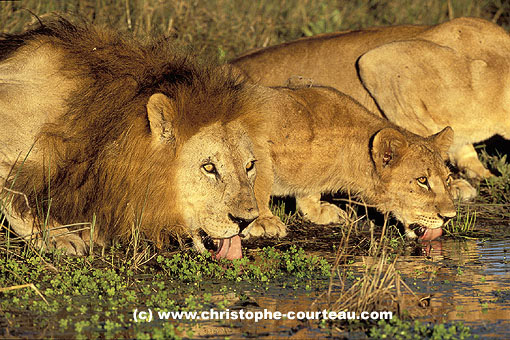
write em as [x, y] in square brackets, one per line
[457, 279]
[467, 279]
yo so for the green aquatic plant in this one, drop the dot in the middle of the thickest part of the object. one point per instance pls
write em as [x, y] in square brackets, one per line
[402, 330]
[269, 264]
[279, 209]
[90, 297]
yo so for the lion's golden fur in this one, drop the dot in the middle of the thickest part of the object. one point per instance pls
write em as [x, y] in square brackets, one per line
[323, 141]
[98, 156]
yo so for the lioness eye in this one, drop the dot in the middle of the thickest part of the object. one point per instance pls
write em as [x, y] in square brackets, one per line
[250, 165]
[423, 181]
[210, 168]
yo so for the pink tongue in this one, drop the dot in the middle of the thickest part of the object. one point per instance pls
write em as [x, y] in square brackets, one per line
[431, 234]
[230, 249]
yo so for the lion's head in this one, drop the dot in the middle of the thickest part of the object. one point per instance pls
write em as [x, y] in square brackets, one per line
[415, 180]
[214, 177]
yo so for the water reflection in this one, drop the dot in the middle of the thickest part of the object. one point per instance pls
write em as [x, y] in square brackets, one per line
[469, 279]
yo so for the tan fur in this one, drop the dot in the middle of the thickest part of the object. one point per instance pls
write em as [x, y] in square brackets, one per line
[121, 131]
[422, 78]
[322, 141]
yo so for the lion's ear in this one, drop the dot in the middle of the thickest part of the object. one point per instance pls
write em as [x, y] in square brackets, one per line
[387, 147]
[161, 112]
[443, 140]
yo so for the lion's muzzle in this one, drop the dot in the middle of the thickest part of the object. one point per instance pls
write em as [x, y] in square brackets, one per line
[227, 248]
[222, 248]
[243, 223]
[430, 228]
[426, 234]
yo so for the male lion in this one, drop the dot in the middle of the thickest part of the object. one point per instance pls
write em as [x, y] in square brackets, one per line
[421, 78]
[321, 141]
[134, 135]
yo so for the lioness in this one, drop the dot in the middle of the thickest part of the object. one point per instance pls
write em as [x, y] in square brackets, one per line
[421, 78]
[321, 140]
[134, 135]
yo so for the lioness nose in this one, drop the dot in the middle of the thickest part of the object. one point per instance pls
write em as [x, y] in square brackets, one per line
[448, 217]
[241, 222]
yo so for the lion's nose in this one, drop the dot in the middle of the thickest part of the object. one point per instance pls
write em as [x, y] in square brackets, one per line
[241, 222]
[448, 217]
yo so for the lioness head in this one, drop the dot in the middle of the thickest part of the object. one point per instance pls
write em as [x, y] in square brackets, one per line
[415, 179]
[215, 174]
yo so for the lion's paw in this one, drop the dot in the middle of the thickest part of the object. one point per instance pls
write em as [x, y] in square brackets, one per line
[477, 172]
[270, 226]
[467, 160]
[462, 190]
[72, 244]
[325, 213]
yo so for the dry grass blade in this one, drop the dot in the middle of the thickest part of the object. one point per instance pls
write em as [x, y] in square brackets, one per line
[375, 289]
[18, 193]
[35, 233]
[379, 288]
[28, 285]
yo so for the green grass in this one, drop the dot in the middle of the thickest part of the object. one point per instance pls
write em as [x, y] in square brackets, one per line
[462, 225]
[226, 28]
[496, 189]
[92, 297]
[279, 209]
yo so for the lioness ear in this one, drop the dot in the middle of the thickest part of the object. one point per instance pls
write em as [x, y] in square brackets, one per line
[161, 112]
[443, 140]
[387, 147]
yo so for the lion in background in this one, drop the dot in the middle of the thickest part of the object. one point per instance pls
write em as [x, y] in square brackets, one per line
[138, 136]
[421, 78]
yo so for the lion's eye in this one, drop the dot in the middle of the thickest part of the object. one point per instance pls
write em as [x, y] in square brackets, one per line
[423, 182]
[250, 165]
[209, 168]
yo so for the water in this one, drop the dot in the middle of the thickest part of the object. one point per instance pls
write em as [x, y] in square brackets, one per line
[470, 280]
[467, 280]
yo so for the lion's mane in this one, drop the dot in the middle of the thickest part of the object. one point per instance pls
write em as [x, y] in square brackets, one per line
[98, 156]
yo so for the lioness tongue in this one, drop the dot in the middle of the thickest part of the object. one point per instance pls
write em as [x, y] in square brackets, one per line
[230, 249]
[431, 234]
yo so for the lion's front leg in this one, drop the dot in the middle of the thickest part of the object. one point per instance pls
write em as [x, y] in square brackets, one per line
[58, 237]
[269, 226]
[319, 212]
[466, 159]
[462, 190]
[71, 242]
[266, 224]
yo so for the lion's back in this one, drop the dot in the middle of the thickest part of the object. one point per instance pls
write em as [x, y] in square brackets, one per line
[33, 92]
